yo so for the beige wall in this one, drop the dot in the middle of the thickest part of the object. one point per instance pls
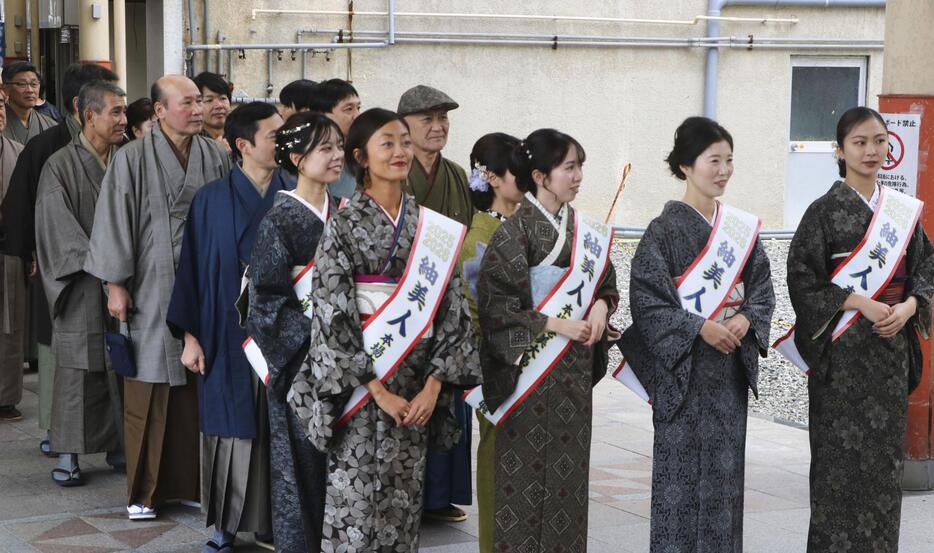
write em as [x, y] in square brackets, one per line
[909, 65]
[622, 104]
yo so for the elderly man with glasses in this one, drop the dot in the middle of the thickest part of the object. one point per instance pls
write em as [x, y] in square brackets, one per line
[21, 84]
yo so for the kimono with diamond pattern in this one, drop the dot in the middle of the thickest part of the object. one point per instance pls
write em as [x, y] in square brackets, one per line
[543, 448]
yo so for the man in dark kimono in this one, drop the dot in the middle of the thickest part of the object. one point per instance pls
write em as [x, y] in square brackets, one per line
[441, 185]
[18, 232]
[135, 246]
[12, 296]
[21, 84]
[85, 397]
[219, 236]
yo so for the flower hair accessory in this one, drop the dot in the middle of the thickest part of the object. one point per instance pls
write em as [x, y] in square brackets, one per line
[479, 178]
[526, 150]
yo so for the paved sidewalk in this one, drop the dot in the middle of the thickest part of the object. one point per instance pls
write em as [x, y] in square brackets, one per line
[36, 515]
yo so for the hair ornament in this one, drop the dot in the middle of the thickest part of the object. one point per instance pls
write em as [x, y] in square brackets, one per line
[525, 149]
[479, 178]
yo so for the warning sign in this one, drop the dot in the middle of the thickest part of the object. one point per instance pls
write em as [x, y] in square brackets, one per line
[900, 169]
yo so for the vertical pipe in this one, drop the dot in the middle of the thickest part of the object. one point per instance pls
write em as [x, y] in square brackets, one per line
[191, 37]
[268, 73]
[298, 40]
[94, 33]
[391, 11]
[713, 60]
[119, 25]
[206, 32]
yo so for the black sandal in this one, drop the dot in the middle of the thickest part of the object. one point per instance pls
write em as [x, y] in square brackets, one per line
[46, 449]
[212, 545]
[73, 477]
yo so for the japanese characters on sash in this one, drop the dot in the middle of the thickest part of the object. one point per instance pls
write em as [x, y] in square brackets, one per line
[701, 287]
[871, 266]
[570, 298]
[406, 316]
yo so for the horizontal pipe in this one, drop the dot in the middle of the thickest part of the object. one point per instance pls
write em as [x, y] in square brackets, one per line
[250, 99]
[527, 17]
[807, 3]
[286, 46]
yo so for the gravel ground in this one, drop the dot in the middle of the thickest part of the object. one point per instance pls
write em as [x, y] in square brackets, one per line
[782, 387]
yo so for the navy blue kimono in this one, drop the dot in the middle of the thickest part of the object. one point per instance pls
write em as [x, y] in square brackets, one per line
[219, 236]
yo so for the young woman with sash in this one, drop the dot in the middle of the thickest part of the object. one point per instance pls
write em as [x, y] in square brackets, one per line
[391, 342]
[860, 277]
[546, 290]
[495, 196]
[309, 147]
[701, 299]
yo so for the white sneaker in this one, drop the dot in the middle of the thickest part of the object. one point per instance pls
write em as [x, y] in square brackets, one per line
[189, 503]
[140, 512]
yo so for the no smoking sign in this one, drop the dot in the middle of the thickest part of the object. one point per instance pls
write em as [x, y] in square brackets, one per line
[900, 168]
[896, 152]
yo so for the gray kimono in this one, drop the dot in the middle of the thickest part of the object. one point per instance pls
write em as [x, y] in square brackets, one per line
[15, 130]
[86, 403]
[137, 238]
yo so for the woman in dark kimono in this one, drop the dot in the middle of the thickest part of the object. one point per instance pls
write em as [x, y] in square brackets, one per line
[310, 147]
[859, 383]
[376, 460]
[696, 370]
[542, 451]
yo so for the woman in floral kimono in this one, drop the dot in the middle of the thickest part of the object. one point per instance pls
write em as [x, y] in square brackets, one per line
[698, 371]
[859, 383]
[495, 196]
[542, 453]
[376, 459]
[309, 147]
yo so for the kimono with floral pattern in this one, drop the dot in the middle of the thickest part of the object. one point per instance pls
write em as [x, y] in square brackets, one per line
[375, 469]
[859, 383]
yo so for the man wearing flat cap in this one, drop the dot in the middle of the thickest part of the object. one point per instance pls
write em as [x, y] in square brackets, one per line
[437, 183]
[441, 185]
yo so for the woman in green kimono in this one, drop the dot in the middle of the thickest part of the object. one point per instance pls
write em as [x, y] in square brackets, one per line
[859, 383]
[543, 453]
[495, 196]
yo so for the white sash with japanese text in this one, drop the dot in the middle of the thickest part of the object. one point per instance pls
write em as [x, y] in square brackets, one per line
[571, 298]
[707, 284]
[870, 267]
[394, 329]
[301, 283]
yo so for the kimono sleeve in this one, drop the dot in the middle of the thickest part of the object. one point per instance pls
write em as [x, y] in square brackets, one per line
[113, 249]
[337, 361]
[454, 358]
[276, 320]
[185, 305]
[816, 300]
[509, 320]
[61, 243]
[921, 279]
[760, 297]
[667, 330]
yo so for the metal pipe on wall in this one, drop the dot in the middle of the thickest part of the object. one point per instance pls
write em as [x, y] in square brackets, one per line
[206, 33]
[119, 26]
[191, 38]
[714, 9]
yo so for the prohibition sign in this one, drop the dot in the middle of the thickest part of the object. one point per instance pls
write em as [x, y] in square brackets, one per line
[896, 152]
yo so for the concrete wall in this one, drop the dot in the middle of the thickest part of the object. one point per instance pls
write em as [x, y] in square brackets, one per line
[907, 70]
[622, 104]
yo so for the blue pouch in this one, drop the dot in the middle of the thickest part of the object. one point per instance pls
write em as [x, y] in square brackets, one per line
[120, 349]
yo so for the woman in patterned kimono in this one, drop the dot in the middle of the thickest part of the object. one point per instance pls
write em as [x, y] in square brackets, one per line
[859, 383]
[309, 147]
[698, 371]
[542, 453]
[495, 196]
[376, 461]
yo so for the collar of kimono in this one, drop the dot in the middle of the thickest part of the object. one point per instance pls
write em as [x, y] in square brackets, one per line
[716, 209]
[182, 158]
[554, 220]
[89, 146]
[394, 221]
[431, 173]
[319, 214]
[871, 202]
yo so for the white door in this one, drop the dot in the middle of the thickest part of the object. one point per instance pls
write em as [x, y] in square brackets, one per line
[821, 90]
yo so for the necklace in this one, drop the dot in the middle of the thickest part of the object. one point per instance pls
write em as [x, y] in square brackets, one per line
[497, 214]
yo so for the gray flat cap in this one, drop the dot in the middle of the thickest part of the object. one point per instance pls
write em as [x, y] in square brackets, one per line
[424, 98]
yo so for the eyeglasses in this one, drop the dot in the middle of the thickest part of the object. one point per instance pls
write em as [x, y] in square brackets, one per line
[25, 84]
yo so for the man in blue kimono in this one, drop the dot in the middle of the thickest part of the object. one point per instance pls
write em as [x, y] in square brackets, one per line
[219, 236]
